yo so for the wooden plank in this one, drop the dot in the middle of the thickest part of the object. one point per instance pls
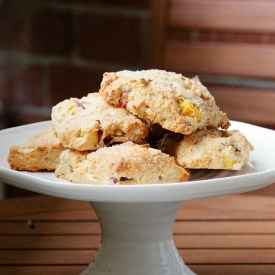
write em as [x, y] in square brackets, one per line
[46, 257]
[235, 207]
[222, 241]
[224, 15]
[225, 241]
[254, 60]
[51, 227]
[190, 256]
[253, 269]
[44, 207]
[180, 227]
[218, 269]
[246, 104]
[50, 242]
[227, 256]
[266, 191]
[42, 270]
[55, 215]
[224, 227]
[158, 21]
[222, 207]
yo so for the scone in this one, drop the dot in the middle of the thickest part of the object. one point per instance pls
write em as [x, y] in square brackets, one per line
[90, 123]
[212, 149]
[126, 163]
[41, 152]
[175, 102]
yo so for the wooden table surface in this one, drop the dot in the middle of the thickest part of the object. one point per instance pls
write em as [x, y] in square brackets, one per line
[224, 235]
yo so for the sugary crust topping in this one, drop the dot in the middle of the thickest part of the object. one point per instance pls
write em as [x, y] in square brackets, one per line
[41, 152]
[213, 149]
[177, 103]
[90, 123]
[127, 163]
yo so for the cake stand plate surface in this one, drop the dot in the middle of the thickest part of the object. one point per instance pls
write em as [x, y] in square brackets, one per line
[137, 220]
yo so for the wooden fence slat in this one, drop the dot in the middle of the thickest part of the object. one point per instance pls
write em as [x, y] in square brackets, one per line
[254, 60]
[219, 14]
[246, 104]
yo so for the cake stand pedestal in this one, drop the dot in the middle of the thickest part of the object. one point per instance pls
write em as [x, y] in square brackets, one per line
[137, 238]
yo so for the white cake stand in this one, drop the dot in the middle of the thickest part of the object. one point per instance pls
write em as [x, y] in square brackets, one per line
[137, 221]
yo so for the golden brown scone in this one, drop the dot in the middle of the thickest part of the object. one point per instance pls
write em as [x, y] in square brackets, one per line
[213, 149]
[177, 103]
[90, 123]
[41, 152]
[126, 163]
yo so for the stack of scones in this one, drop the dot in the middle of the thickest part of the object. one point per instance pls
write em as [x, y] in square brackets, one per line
[142, 127]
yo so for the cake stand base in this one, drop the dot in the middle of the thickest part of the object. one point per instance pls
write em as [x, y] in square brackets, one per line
[137, 238]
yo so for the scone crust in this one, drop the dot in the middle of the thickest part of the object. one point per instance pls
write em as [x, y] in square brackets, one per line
[177, 103]
[126, 163]
[41, 152]
[213, 149]
[90, 123]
